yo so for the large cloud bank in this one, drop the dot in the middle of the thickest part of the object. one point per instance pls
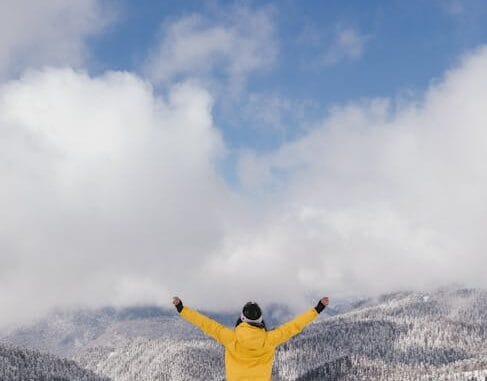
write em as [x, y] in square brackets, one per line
[111, 193]
[384, 195]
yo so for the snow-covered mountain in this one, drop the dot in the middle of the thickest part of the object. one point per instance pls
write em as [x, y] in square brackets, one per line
[23, 364]
[64, 333]
[402, 336]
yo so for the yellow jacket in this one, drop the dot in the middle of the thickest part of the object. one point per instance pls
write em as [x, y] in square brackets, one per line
[249, 350]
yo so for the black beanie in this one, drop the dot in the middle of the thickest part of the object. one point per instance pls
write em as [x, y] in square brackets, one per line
[252, 311]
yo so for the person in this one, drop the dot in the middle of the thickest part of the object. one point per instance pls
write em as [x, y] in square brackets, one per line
[249, 347]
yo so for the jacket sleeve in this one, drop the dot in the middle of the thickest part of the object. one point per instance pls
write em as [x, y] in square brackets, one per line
[209, 326]
[284, 332]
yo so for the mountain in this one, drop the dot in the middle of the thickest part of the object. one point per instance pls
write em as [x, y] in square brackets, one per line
[22, 364]
[440, 335]
[64, 333]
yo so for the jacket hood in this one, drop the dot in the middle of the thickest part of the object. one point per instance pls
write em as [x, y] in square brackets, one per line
[250, 337]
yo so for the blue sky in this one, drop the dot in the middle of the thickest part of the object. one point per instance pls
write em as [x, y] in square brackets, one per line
[404, 47]
[285, 148]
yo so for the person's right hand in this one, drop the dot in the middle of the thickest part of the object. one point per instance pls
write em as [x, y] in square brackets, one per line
[324, 300]
[176, 300]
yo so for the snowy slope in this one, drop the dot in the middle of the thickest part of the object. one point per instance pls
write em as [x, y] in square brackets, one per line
[21, 365]
[401, 336]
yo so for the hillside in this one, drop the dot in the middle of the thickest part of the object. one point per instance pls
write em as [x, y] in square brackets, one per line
[401, 336]
[22, 364]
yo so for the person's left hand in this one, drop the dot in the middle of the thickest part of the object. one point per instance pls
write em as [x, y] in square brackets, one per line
[325, 301]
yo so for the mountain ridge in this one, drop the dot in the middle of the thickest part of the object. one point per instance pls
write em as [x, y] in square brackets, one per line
[397, 336]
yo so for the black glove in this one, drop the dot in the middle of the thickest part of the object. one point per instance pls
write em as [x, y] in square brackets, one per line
[179, 306]
[320, 307]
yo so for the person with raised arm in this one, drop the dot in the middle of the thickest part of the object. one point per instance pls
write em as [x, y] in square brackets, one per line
[249, 347]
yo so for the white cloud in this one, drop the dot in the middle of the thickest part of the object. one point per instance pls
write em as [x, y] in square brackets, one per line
[52, 32]
[277, 113]
[348, 45]
[242, 42]
[379, 198]
[453, 7]
[108, 192]
[110, 195]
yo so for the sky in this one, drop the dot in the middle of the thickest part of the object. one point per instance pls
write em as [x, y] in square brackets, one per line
[233, 151]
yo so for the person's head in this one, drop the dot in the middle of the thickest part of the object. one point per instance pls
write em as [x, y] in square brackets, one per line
[251, 314]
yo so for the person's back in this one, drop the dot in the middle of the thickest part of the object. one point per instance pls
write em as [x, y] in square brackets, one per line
[249, 348]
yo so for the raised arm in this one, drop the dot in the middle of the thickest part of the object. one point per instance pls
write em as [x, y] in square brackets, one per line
[209, 326]
[286, 331]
